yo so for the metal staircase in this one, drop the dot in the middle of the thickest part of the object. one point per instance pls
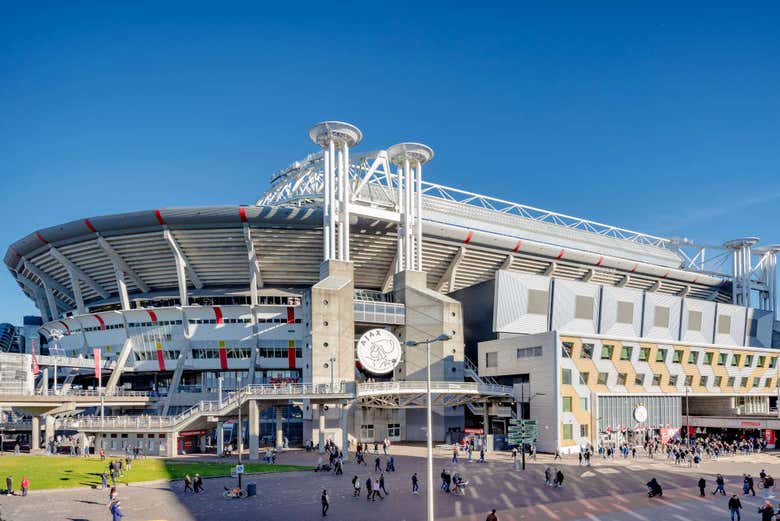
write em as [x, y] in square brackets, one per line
[470, 371]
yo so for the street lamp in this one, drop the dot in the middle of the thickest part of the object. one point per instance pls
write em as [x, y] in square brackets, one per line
[327, 364]
[413, 343]
[687, 419]
[522, 418]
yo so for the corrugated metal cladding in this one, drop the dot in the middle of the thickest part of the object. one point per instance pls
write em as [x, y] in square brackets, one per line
[662, 411]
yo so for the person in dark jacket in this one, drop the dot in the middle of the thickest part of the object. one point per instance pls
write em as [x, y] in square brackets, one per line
[750, 485]
[325, 503]
[766, 511]
[559, 478]
[735, 505]
[702, 486]
[719, 483]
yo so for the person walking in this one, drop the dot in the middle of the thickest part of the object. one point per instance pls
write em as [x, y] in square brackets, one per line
[455, 455]
[557, 454]
[382, 484]
[750, 485]
[187, 483]
[548, 476]
[198, 484]
[25, 485]
[702, 484]
[356, 487]
[103, 481]
[9, 485]
[325, 503]
[482, 455]
[377, 464]
[116, 511]
[492, 516]
[112, 495]
[375, 490]
[559, 478]
[719, 485]
[415, 485]
[767, 512]
[369, 489]
[734, 507]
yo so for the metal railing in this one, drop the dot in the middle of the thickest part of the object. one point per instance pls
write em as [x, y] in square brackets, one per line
[93, 393]
[473, 372]
[437, 387]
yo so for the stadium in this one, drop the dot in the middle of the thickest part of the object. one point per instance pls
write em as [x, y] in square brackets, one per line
[194, 315]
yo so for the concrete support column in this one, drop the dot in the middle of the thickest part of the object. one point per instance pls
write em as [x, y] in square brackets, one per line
[486, 419]
[35, 435]
[345, 430]
[279, 429]
[49, 422]
[321, 438]
[83, 443]
[172, 444]
[220, 439]
[254, 430]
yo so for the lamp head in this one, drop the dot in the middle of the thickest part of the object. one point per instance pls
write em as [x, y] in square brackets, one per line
[443, 337]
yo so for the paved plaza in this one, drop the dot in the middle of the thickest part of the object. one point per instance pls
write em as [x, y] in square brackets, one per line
[607, 491]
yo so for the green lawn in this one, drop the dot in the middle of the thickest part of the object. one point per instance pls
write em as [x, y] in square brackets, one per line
[64, 471]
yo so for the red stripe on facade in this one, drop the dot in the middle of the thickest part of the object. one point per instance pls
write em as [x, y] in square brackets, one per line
[291, 357]
[218, 315]
[159, 217]
[89, 226]
[66, 326]
[152, 315]
[665, 275]
[290, 315]
[598, 262]
[694, 280]
[40, 238]
[634, 268]
[102, 324]
[160, 360]
[468, 238]
[517, 246]
[223, 358]
[560, 254]
[242, 213]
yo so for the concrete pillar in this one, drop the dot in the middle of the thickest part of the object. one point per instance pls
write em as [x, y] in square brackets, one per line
[345, 430]
[279, 429]
[254, 430]
[49, 422]
[172, 444]
[220, 439]
[83, 442]
[321, 439]
[35, 435]
[45, 381]
[486, 419]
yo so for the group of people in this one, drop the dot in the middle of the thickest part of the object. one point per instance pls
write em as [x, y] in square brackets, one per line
[194, 485]
[9, 485]
[450, 483]
[553, 477]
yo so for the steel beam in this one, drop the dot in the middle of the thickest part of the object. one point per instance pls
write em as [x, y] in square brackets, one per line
[181, 258]
[449, 276]
[45, 277]
[86, 279]
[120, 263]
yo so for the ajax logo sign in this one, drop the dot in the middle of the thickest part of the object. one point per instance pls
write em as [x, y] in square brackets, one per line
[379, 351]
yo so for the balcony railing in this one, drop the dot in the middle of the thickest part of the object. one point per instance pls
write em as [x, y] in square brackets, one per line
[380, 312]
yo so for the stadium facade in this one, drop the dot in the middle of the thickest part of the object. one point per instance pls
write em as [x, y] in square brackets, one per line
[558, 318]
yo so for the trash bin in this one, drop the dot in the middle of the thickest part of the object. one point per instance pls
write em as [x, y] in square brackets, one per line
[251, 489]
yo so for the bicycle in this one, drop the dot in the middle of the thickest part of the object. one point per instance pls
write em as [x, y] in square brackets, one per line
[232, 493]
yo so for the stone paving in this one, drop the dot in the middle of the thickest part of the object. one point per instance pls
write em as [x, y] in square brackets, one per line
[608, 491]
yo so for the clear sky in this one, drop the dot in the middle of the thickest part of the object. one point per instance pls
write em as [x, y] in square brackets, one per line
[662, 117]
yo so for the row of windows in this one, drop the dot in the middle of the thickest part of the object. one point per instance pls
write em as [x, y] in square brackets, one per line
[107, 327]
[194, 321]
[526, 352]
[277, 352]
[567, 404]
[154, 324]
[567, 431]
[145, 356]
[639, 379]
[626, 352]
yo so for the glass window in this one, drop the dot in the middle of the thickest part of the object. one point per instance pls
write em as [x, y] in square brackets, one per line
[644, 354]
[673, 380]
[731, 381]
[602, 379]
[748, 360]
[722, 357]
[367, 431]
[527, 352]
[491, 359]
[744, 381]
[567, 404]
[567, 431]
[735, 360]
[761, 361]
[660, 355]
[661, 318]
[587, 351]
[756, 381]
[753, 328]
[639, 379]
[394, 430]
[584, 404]
[678, 354]
[606, 351]
[768, 382]
[688, 380]
[625, 352]
[566, 348]
[703, 381]
[772, 362]
[656, 379]
[717, 381]
[583, 430]
[566, 376]
[708, 356]
[583, 307]
[693, 357]
[584, 378]
[621, 379]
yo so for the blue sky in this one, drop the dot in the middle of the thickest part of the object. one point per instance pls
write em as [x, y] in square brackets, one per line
[664, 118]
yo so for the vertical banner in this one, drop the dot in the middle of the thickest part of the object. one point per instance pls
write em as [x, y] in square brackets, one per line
[291, 354]
[769, 436]
[290, 315]
[222, 355]
[160, 358]
[35, 368]
[96, 356]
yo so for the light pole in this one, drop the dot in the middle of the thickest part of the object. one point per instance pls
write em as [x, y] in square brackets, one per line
[327, 364]
[219, 390]
[240, 427]
[687, 419]
[429, 413]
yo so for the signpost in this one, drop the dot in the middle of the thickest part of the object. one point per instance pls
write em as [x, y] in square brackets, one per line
[239, 471]
[522, 432]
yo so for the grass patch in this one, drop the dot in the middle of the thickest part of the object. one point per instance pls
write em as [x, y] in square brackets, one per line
[46, 472]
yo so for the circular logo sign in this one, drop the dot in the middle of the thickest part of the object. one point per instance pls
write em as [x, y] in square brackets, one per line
[379, 351]
[640, 413]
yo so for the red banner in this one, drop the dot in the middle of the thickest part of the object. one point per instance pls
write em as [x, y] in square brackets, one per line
[290, 315]
[291, 354]
[96, 355]
[474, 430]
[769, 436]
[160, 357]
[222, 355]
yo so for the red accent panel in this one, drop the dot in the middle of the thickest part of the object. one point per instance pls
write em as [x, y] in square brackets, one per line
[102, 324]
[560, 254]
[291, 357]
[159, 217]
[40, 238]
[469, 237]
[634, 268]
[598, 262]
[665, 275]
[160, 360]
[290, 315]
[66, 326]
[223, 358]
[242, 212]
[152, 315]
[517, 246]
[694, 280]
[218, 315]
[89, 226]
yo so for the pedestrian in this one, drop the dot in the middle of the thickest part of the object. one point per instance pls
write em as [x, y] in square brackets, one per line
[112, 494]
[767, 512]
[734, 507]
[391, 463]
[121, 469]
[377, 465]
[415, 485]
[25, 485]
[702, 485]
[375, 490]
[447, 482]
[455, 455]
[482, 455]
[492, 516]
[113, 475]
[382, 484]
[356, 487]
[559, 478]
[102, 455]
[116, 511]
[187, 483]
[103, 481]
[557, 454]
[369, 489]
[548, 476]
[325, 503]
[719, 485]
[9, 485]
[751, 485]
